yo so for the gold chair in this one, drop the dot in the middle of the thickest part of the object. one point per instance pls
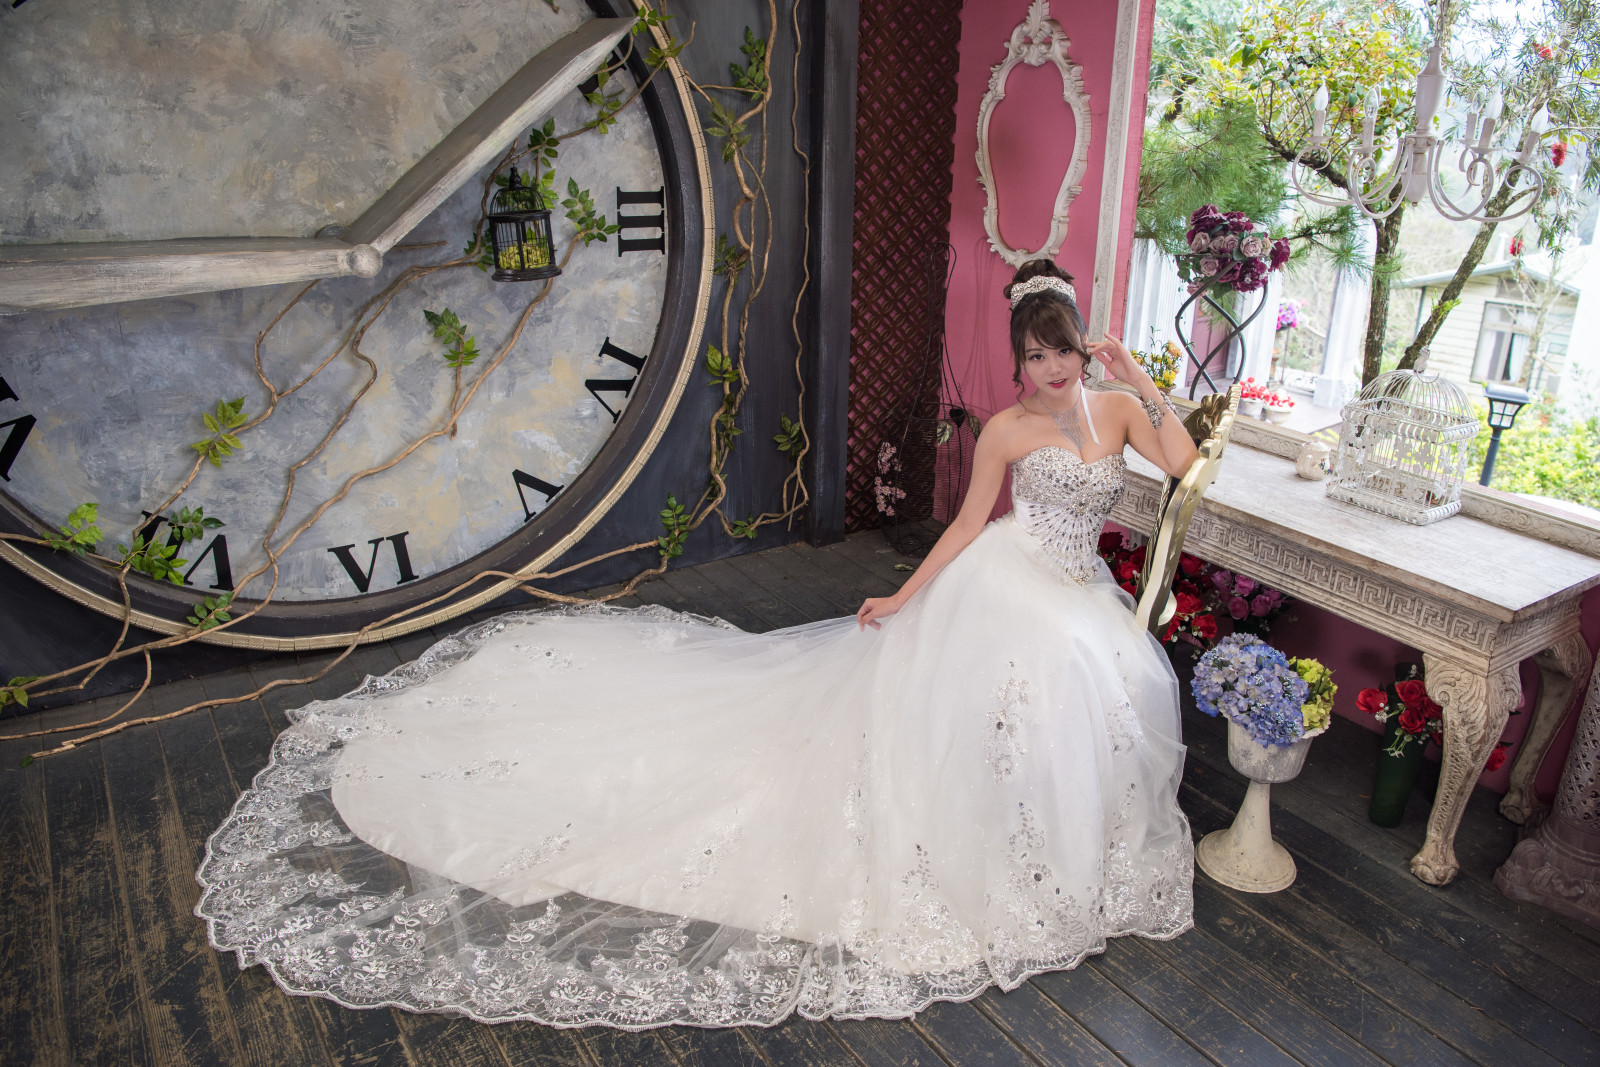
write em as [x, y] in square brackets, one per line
[1209, 425]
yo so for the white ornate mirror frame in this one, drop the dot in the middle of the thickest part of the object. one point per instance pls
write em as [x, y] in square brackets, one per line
[1036, 40]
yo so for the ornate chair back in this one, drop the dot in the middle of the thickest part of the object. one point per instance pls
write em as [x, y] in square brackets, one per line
[1209, 425]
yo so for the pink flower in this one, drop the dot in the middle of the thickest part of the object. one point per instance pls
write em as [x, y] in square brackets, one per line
[1261, 605]
[1200, 242]
[1226, 243]
[1497, 759]
[1243, 586]
[1223, 580]
[1280, 253]
[1238, 607]
[1210, 265]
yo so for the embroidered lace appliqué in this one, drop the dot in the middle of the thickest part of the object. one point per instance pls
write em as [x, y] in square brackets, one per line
[1002, 743]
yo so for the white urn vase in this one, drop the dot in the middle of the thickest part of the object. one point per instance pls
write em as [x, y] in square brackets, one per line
[1244, 856]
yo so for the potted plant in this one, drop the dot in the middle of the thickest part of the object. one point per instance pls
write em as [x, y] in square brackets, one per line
[1410, 721]
[1278, 407]
[1251, 397]
[1274, 707]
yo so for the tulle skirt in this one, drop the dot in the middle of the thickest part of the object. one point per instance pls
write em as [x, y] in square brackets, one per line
[639, 817]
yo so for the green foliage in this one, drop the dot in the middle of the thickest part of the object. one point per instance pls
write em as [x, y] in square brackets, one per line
[731, 258]
[752, 77]
[459, 348]
[213, 611]
[479, 251]
[607, 104]
[723, 370]
[791, 436]
[746, 528]
[675, 521]
[1546, 453]
[229, 416]
[726, 125]
[156, 558]
[657, 55]
[591, 225]
[14, 692]
[80, 533]
[543, 151]
[190, 524]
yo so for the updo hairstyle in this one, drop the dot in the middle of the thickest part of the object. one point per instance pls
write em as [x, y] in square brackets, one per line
[1049, 316]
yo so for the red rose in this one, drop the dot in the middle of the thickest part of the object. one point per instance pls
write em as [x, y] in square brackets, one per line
[1205, 626]
[1126, 571]
[1172, 628]
[1129, 588]
[1190, 565]
[1186, 586]
[1188, 604]
[1412, 722]
[1497, 759]
[1138, 556]
[1430, 710]
[1110, 542]
[1412, 693]
[1372, 701]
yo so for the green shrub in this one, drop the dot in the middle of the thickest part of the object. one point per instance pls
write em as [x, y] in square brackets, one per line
[1547, 453]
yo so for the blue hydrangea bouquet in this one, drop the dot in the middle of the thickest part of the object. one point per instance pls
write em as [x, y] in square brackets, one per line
[1256, 686]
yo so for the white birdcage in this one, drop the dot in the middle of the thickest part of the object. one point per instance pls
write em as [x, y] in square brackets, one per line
[1403, 447]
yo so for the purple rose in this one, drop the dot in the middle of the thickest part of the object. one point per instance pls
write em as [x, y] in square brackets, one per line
[1239, 222]
[1238, 607]
[1243, 586]
[1210, 265]
[1280, 252]
[1225, 244]
[1223, 580]
[1204, 220]
[1251, 275]
[1261, 605]
[1200, 242]
[1255, 246]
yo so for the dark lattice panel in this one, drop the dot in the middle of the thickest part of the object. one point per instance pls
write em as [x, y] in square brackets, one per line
[905, 144]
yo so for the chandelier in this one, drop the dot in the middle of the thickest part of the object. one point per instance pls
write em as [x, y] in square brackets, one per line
[1414, 172]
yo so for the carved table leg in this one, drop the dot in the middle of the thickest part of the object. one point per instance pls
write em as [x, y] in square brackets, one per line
[1475, 711]
[1562, 668]
[1558, 863]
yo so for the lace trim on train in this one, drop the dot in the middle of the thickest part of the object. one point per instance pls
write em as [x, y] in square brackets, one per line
[286, 885]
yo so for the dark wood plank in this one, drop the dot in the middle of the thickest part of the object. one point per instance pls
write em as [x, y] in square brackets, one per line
[189, 1016]
[1312, 980]
[709, 600]
[1257, 996]
[100, 995]
[449, 1041]
[873, 557]
[964, 1036]
[1115, 1018]
[1037, 1026]
[368, 1037]
[693, 1047]
[659, 592]
[766, 569]
[273, 1028]
[33, 1027]
[798, 1042]
[1184, 1007]
[885, 1042]
[622, 1048]
[775, 614]
[535, 1045]
[1354, 953]
[813, 565]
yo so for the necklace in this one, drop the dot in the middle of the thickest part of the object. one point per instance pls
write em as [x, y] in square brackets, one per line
[1069, 422]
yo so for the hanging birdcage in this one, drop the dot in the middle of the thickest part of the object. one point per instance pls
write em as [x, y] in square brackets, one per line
[1403, 447]
[519, 234]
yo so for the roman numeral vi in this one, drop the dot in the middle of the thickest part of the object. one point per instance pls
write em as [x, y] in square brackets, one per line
[363, 578]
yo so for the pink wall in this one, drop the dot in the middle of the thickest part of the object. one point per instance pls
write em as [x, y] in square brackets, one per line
[1031, 137]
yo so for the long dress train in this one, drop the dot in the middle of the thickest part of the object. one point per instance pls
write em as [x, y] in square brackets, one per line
[639, 817]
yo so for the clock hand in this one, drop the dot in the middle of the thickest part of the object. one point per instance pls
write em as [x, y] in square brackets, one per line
[48, 276]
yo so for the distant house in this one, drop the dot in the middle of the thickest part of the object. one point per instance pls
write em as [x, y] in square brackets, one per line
[1510, 326]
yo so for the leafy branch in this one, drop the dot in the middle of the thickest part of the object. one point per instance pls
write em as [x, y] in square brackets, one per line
[675, 521]
[730, 257]
[752, 77]
[725, 124]
[460, 349]
[607, 104]
[80, 533]
[212, 611]
[15, 691]
[591, 225]
[228, 417]
[791, 437]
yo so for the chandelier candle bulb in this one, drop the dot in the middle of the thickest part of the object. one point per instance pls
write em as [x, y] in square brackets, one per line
[1430, 90]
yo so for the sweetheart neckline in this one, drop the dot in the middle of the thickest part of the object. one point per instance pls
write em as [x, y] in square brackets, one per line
[1070, 452]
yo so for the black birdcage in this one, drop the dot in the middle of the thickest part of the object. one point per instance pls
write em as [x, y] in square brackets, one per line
[519, 234]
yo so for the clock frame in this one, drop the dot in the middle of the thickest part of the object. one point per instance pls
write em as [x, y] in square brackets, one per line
[547, 535]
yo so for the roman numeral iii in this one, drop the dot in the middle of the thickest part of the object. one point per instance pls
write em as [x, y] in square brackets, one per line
[656, 222]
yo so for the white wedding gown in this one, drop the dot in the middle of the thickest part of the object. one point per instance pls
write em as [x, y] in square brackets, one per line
[637, 818]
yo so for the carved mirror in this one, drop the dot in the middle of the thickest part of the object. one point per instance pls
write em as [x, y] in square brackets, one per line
[1037, 40]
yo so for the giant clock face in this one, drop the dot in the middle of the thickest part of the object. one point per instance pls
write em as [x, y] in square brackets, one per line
[103, 403]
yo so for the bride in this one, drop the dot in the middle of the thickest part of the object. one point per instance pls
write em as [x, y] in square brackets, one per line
[637, 818]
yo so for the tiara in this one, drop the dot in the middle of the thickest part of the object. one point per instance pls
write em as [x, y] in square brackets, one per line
[1039, 285]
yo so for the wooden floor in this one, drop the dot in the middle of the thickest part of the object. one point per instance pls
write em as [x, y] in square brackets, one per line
[102, 961]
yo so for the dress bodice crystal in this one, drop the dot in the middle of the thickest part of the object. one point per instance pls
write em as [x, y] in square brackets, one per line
[1064, 502]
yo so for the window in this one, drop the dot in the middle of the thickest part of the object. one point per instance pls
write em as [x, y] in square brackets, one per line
[1504, 342]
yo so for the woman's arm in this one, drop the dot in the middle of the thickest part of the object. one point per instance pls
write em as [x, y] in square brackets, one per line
[1168, 446]
[988, 471]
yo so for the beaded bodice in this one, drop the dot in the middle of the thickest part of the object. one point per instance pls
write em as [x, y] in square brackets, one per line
[1064, 501]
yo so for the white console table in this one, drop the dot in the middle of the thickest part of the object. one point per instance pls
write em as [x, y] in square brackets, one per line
[1476, 598]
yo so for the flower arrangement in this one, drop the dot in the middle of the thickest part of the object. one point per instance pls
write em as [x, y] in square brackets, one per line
[1318, 708]
[1161, 364]
[1421, 720]
[1250, 389]
[1278, 400]
[1251, 605]
[1253, 684]
[1288, 314]
[1203, 594]
[1225, 249]
[883, 488]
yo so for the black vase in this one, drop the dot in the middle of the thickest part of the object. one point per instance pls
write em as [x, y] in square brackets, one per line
[1391, 786]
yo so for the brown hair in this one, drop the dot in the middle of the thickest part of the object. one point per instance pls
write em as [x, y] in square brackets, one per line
[1049, 316]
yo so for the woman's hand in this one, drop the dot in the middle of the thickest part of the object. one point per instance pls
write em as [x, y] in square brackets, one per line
[875, 608]
[1117, 359]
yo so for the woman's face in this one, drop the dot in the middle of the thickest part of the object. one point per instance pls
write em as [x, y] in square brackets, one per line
[1051, 370]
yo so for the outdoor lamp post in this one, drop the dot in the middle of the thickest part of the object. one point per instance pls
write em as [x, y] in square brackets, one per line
[1504, 403]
